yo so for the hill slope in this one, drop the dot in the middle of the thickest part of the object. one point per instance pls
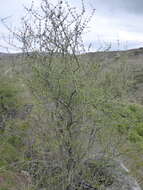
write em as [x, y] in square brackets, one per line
[105, 97]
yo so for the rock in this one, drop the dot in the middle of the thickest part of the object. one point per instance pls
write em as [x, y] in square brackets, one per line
[123, 180]
[124, 183]
[26, 175]
[107, 175]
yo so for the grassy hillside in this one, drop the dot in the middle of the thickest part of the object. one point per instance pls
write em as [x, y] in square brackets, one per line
[55, 117]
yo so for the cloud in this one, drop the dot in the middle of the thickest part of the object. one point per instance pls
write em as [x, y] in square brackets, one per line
[115, 20]
[131, 6]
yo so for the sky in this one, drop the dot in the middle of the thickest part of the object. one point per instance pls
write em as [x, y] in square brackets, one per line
[116, 23]
[119, 22]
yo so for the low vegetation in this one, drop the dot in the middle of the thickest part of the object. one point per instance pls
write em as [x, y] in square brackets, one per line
[65, 115]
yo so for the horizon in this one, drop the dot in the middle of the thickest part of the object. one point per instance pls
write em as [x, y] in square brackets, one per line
[88, 52]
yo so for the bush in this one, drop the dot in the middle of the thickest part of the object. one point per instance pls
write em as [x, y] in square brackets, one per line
[135, 137]
[8, 94]
[9, 153]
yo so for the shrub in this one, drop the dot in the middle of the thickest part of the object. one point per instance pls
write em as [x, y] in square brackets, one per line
[8, 94]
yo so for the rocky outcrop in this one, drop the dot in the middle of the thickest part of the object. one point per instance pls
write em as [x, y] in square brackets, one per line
[107, 175]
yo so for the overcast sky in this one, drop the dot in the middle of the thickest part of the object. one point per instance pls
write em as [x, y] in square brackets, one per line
[116, 22]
